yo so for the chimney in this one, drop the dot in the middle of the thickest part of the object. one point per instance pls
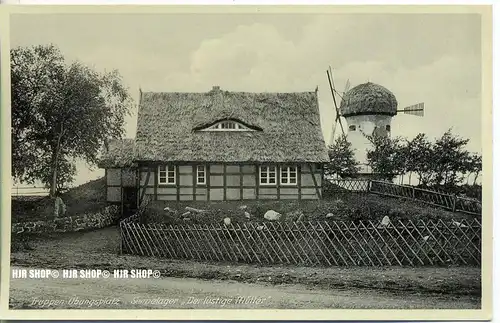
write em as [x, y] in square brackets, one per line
[215, 88]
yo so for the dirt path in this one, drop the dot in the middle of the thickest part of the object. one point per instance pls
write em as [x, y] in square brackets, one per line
[281, 286]
[171, 292]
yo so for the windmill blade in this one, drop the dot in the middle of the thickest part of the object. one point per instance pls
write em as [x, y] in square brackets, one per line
[415, 110]
[347, 86]
[331, 74]
[332, 135]
[332, 90]
[419, 113]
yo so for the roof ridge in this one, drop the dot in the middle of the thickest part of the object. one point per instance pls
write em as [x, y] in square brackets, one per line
[243, 92]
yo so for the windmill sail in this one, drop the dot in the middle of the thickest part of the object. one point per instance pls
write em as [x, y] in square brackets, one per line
[416, 109]
[347, 86]
[335, 106]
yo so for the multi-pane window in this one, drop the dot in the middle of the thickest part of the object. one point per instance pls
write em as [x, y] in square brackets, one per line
[166, 174]
[201, 177]
[288, 175]
[268, 175]
[228, 125]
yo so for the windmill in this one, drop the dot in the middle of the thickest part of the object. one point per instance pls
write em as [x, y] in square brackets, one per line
[343, 111]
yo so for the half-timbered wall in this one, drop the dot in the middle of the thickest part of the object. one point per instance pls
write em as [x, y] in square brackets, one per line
[116, 178]
[226, 182]
[113, 185]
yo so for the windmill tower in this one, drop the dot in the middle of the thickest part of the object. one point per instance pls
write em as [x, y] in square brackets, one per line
[368, 109]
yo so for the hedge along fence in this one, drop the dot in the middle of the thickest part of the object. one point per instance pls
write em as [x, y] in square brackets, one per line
[337, 243]
[447, 201]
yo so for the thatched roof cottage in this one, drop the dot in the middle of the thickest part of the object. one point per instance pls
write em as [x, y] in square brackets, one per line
[220, 145]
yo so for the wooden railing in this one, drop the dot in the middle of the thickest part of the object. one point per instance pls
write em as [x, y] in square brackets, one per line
[451, 202]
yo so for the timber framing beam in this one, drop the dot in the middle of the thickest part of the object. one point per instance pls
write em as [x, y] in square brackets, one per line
[143, 193]
[318, 192]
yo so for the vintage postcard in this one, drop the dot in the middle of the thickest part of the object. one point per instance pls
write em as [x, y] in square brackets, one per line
[236, 162]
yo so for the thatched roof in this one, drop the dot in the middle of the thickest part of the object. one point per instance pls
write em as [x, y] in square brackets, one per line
[120, 153]
[368, 98]
[286, 127]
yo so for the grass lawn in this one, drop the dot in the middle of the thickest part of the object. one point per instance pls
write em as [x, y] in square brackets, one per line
[85, 198]
[99, 250]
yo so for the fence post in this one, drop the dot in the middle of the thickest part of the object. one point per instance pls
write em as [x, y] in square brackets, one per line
[121, 238]
[413, 192]
[454, 203]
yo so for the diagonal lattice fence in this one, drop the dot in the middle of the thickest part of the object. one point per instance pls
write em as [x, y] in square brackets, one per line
[364, 243]
[448, 201]
[350, 185]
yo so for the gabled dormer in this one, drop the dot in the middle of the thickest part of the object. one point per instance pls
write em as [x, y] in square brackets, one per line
[227, 125]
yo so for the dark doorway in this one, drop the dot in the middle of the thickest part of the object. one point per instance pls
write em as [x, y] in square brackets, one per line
[129, 201]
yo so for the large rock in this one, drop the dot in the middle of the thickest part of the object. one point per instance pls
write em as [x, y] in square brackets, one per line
[459, 224]
[385, 222]
[272, 215]
[192, 209]
[59, 207]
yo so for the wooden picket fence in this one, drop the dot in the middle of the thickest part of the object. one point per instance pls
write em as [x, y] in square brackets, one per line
[448, 201]
[364, 243]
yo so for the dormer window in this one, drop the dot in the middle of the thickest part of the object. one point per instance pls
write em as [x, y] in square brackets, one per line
[227, 125]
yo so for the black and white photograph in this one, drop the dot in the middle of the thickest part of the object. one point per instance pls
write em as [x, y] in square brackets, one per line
[260, 158]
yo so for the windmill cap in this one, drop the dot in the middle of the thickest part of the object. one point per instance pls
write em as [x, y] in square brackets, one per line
[368, 99]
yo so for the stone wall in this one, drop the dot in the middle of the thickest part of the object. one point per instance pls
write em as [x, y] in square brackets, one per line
[103, 218]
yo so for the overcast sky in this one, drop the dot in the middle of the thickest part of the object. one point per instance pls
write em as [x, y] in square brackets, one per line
[432, 58]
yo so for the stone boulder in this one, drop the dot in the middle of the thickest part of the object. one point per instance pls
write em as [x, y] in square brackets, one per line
[59, 207]
[385, 222]
[272, 215]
